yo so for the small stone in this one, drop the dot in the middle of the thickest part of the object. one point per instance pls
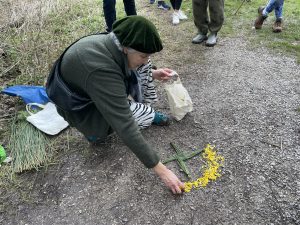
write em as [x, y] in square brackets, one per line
[2, 52]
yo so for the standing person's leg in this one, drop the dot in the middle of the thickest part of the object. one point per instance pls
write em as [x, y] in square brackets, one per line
[200, 20]
[109, 9]
[216, 13]
[178, 14]
[177, 4]
[181, 14]
[129, 6]
[277, 27]
[163, 5]
[279, 9]
[263, 13]
[269, 7]
[175, 16]
[173, 3]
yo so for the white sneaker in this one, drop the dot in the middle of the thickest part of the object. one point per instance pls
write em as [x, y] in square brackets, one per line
[175, 18]
[181, 15]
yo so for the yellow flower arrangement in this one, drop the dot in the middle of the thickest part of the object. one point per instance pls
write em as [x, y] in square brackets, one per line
[211, 172]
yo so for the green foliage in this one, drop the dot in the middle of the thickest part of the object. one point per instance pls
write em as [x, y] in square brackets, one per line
[32, 48]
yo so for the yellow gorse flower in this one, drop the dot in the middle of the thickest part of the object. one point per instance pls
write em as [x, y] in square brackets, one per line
[212, 169]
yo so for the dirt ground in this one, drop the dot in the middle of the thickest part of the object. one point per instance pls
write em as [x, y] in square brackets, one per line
[245, 103]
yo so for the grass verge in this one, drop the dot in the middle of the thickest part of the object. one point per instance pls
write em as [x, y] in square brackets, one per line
[240, 23]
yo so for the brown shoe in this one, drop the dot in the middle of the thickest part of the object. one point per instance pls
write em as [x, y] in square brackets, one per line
[277, 27]
[260, 19]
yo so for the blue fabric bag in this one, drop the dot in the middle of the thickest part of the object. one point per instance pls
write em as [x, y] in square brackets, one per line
[29, 94]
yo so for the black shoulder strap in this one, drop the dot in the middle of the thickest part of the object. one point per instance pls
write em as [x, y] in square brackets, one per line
[59, 92]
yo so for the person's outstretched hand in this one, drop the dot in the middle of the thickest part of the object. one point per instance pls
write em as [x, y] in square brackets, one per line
[169, 178]
[162, 74]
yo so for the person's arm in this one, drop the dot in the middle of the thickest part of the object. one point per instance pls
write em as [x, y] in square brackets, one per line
[169, 178]
[108, 92]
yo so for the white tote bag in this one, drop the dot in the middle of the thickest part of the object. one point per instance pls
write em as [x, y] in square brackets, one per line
[179, 99]
[47, 120]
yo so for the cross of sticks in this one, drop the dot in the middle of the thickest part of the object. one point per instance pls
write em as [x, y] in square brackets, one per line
[180, 157]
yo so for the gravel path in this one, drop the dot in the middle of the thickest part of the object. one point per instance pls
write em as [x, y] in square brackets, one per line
[245, 102]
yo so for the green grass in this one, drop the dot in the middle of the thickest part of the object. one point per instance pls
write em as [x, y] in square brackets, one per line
[241, 24]
[35, 47]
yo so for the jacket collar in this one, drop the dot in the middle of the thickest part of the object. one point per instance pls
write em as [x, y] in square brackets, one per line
[119, 56]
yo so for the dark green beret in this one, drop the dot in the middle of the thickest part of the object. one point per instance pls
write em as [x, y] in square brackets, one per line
[138, 33]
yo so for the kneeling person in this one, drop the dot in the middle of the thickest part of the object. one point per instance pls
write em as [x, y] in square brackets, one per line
[105, 69]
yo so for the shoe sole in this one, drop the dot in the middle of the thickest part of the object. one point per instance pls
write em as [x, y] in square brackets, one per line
[210, 44]
[199, 42]
[166, 9]
[183, 18]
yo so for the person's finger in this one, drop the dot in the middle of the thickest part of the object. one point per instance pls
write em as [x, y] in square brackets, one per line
[181, 184]
[168, 70]
[165, 74]
[166, 78]
[173, 191]
[178, 190]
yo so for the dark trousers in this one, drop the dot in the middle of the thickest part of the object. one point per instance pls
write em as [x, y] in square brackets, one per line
[109, 9]
[208, 22]
[176, 4]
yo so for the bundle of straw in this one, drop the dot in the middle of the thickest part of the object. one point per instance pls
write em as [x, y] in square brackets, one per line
[29, 148]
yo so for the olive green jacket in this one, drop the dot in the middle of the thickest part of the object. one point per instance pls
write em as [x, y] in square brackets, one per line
[94, 67]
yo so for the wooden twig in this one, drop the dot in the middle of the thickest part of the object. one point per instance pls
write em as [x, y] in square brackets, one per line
[239, 7]
[268, 143]
[6, 115]
[8, 69]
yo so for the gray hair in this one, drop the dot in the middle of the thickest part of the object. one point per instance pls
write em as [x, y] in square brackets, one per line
[118, 44]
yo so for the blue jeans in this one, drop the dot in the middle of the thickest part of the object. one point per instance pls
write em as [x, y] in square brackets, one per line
[109, 9]
[274, 4]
